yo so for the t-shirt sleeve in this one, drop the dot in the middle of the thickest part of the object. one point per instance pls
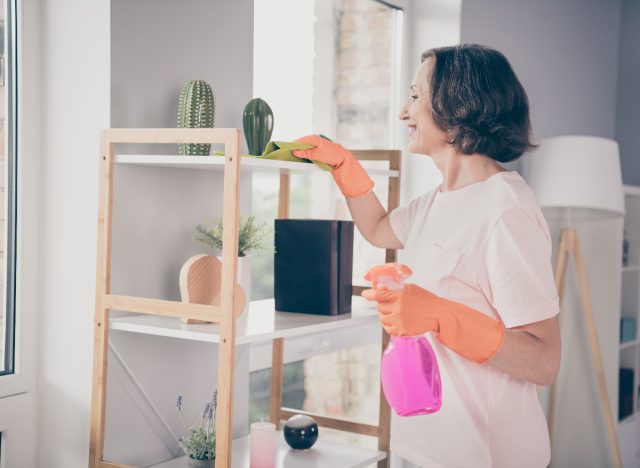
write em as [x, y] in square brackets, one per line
[402, 218]
[519, 277]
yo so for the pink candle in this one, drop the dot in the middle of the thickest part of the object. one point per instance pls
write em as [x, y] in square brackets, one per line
[263, 445]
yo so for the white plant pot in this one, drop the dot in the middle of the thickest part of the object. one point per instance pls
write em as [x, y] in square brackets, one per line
[244, 276]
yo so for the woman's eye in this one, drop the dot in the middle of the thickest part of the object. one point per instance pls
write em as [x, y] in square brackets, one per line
[414, 97]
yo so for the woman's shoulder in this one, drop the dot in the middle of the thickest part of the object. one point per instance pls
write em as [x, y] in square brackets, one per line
[512, 190]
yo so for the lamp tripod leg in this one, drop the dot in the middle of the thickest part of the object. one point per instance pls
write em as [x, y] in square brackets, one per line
[566, 242]
[569, 244]
[596, 355]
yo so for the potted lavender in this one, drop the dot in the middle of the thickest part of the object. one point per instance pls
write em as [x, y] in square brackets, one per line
[199, 443]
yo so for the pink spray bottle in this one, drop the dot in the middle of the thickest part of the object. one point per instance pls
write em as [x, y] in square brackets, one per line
[409, 369]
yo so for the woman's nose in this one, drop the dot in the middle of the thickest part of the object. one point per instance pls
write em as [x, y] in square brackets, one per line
[404, 114]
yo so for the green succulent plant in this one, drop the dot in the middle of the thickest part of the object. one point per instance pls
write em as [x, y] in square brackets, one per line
[257, 122]
[196, 110]
[250, 237]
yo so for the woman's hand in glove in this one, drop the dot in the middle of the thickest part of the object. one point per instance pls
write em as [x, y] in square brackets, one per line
[350, 176]
[414, 310]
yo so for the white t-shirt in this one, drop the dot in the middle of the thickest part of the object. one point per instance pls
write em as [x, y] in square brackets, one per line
[486, 245]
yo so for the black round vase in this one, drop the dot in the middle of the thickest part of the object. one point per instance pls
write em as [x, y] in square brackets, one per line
[300, 432]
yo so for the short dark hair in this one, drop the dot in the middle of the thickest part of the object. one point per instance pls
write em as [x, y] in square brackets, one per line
[477, 99]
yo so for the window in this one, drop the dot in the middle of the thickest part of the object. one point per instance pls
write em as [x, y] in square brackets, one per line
[347, 57]
[8, 153]
[345, 84]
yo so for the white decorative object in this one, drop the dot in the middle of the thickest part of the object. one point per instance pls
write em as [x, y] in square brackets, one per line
[577, 174]
[243, 277]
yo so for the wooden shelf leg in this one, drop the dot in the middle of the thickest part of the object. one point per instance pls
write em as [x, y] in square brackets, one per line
[277, 364]
[103, 286]
[384, 417]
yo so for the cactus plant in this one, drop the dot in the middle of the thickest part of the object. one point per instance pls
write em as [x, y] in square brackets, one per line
[257, 121]
[196, 110]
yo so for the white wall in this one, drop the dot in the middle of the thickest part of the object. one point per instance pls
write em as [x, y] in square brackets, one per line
[74, 107]
[430, 23]
[628, 111]
[283, 64]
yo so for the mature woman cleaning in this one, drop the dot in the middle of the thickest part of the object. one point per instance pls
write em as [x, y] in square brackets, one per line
[480, 252]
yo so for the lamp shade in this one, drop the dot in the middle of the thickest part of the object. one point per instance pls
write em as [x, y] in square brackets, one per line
[578, 174]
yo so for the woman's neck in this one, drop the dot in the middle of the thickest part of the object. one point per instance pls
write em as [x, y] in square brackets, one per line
[459, 170]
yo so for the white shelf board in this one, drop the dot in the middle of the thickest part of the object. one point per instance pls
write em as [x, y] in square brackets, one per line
[321, 455]
[217, 163]
[632, 190]
[627, 419]
[631, 268]
[260, 323]
[628, 344]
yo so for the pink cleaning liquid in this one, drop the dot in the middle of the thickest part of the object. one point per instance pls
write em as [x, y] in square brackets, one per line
[409, 369]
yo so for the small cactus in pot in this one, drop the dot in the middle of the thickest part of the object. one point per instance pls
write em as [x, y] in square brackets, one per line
[196, 110]
[257, 122]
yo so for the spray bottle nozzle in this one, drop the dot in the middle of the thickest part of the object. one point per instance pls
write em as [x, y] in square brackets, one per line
[392, 275]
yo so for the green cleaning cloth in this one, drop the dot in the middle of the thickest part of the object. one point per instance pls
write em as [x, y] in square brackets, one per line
[283, 151]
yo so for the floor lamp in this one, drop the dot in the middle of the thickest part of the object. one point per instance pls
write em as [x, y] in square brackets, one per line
[577, 178]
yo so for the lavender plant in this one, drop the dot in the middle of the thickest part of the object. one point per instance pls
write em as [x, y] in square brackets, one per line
[199, 442]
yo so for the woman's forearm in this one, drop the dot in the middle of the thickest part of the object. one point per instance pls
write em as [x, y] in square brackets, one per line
[372, 221]
[531, 352]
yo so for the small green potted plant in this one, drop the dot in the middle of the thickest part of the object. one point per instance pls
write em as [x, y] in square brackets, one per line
[250, 237]
[199, 443]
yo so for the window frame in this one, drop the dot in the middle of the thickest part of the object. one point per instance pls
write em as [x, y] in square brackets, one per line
[17, 390]
[9, 201]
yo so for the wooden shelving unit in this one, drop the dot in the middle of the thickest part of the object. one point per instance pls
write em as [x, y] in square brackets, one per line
[629, 426]
[261, 323]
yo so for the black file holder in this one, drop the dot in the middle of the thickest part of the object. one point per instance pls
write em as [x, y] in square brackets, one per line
[313, 266]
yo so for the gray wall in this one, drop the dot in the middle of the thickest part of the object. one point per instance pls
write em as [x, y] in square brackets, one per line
[628, 110]
[566, 56]
[564, 52]
[158, 45]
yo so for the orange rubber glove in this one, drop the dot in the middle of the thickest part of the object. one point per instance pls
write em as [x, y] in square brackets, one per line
[413, 311]
[350, 176]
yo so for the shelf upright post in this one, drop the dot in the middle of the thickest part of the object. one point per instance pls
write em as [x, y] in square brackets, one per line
[226, 353]
[277, 345]
[391, 255]
[101, 320]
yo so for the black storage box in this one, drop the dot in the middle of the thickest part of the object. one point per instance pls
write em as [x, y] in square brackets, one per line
[625, 393]
[313, 266]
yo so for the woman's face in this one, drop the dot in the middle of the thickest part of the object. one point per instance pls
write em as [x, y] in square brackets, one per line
[425, 137]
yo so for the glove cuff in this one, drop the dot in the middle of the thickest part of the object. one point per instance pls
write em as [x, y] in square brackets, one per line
[352, 179]
[470, 333]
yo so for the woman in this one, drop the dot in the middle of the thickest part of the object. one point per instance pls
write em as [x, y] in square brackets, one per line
[480, 251]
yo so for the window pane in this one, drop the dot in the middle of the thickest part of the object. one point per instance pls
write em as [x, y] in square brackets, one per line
[7, 184]
[347, 60]
[349, 65]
